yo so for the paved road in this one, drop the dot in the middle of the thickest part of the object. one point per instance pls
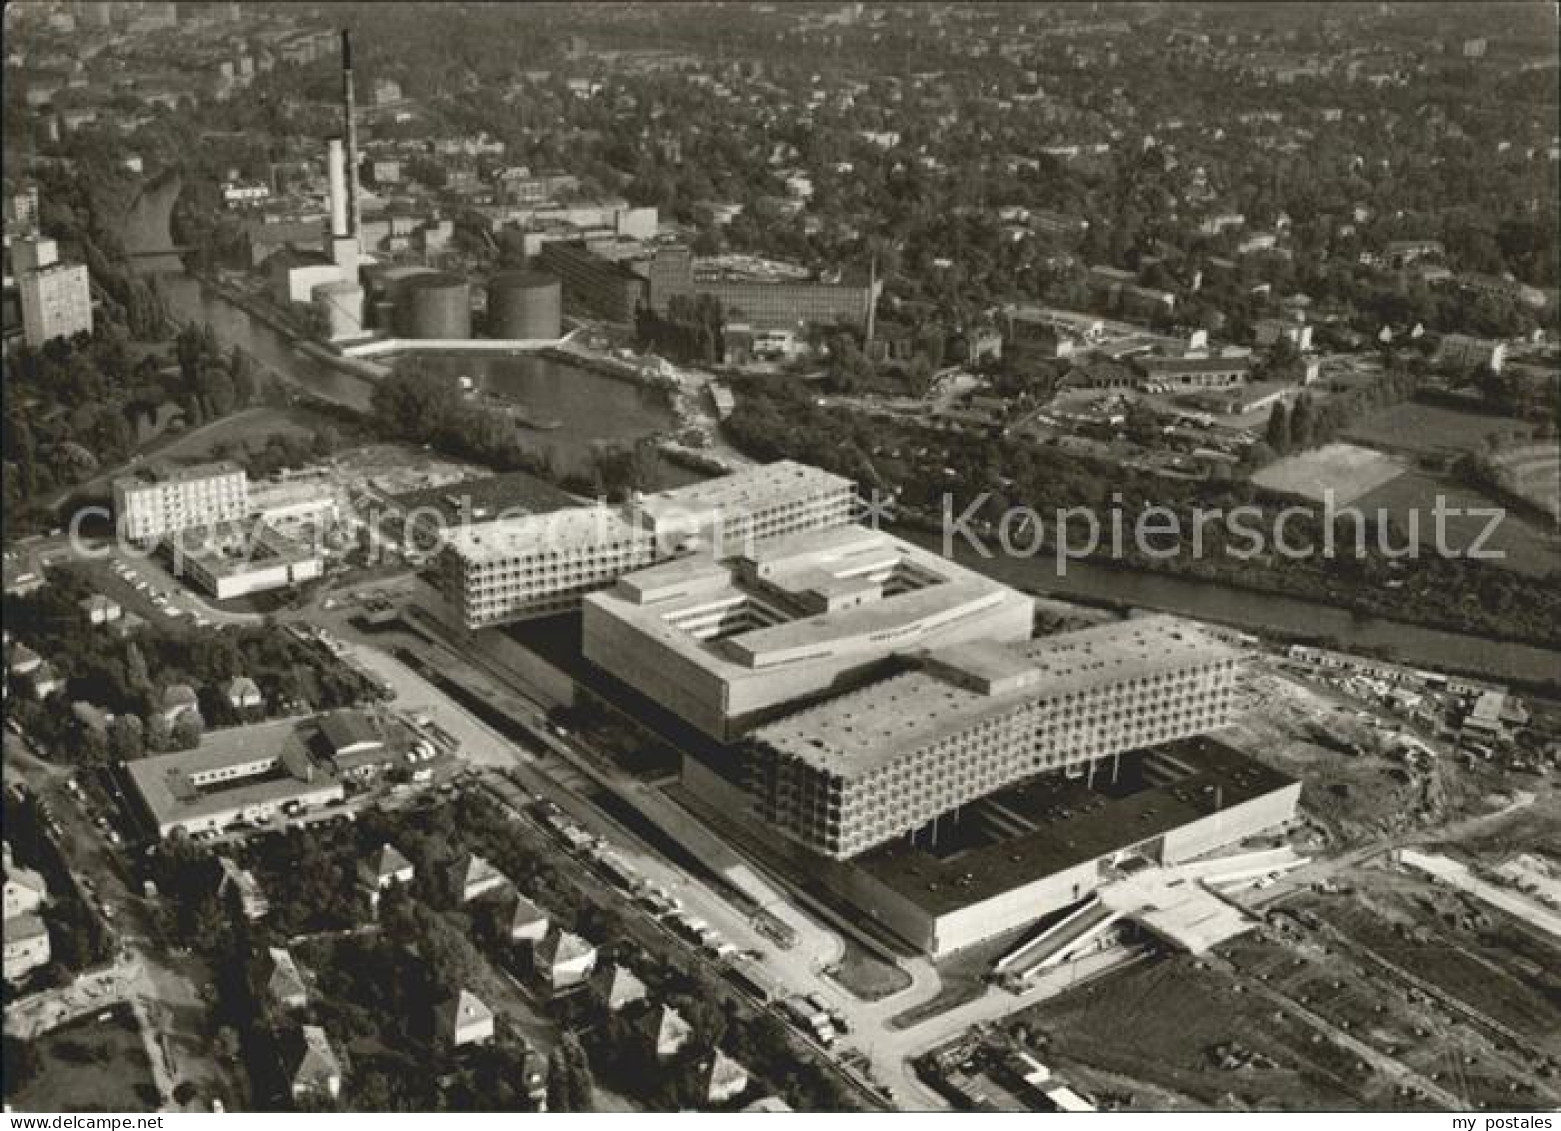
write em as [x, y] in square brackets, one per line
[170, 990]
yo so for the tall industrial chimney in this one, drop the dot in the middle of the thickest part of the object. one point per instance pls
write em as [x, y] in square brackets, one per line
[337, 168]
[349, 111]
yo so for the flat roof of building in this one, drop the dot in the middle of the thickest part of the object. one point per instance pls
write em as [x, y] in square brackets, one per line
[167, 473]
[478, 500]
[856, 733]
[742, 492]
[165, 786]
[792, 571]
[574, 528]
[231, 549]
[1073, 824]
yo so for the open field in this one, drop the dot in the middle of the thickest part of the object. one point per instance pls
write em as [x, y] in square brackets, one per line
[1393, 995]
[1346, 470]
[1424, 429]
[1489, 975]
[1411, 500]
[1308, 732]
[89, 1065]
[1157, 1032]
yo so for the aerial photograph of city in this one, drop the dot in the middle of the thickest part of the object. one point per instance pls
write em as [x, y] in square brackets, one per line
[917, 557]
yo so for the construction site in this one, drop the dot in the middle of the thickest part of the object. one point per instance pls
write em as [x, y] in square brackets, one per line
[1397, 948]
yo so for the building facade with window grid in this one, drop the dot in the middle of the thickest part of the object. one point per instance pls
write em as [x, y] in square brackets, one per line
[879, 763]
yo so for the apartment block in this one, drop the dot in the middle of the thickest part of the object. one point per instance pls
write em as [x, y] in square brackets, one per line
[157, 502]
[867, 767]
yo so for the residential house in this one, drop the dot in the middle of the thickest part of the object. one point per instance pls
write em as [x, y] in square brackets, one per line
[318, 1072]
[386, 867]
[21, 660]
[464, 1020]
[179, 699]
[98, 609]
[240, 883]
[527, 921]
[46, 681]
[25, 889]
[26, 946]
[769, 1104]
[286, 984]
[616, 987]
[243, 694]
[721, 1078]
[471, 876]
[665, 1032]
[563, 960]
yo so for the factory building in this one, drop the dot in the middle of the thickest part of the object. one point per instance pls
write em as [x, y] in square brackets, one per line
[724, 644]
[594, 285]
[875, 764]
[525, 306]
[156, 502]
[764, 296]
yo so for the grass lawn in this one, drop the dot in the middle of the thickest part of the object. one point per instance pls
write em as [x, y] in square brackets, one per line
[1345, 469]
[249, 427]
[1528, 548]
[866, 975]
[1430, 428]
[89, 1065]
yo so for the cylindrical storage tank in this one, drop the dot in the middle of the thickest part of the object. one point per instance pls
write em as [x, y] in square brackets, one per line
[384, 280]
[524, 305]
[436, 305]
[384, 316]
[342, 303]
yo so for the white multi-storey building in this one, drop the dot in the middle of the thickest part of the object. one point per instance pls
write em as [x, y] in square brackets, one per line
[56, 298]
[543, 564]
[159, 502]
[869, 766]
[537, 565]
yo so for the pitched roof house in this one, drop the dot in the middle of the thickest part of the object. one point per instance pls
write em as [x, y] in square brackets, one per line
[562, 959]
[318, 1071]
[464, 1020]
[665, 1031]
[616, 987]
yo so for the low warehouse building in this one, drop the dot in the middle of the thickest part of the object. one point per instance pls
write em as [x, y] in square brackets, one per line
[240, 774]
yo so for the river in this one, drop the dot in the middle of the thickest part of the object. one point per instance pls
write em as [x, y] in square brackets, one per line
[1260, 612]
[592, 407]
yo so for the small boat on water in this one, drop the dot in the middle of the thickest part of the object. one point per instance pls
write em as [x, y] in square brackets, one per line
[467, 384]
